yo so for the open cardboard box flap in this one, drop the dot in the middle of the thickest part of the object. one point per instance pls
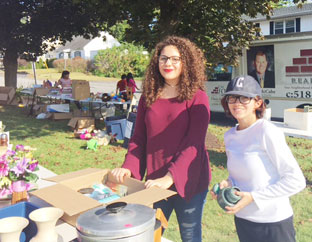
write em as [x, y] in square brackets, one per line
[65, 193]
[70, 201]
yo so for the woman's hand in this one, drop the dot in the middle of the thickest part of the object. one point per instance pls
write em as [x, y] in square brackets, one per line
[164, 182]
[222, 184]
[121, 173]
[246, 199]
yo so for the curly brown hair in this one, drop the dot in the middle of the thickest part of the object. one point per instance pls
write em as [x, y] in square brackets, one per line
[193, 73]
[259, 111]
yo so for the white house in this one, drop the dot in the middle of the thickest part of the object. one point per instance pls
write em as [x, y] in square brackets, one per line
[287, 45]
[286, 20]
[85, 48]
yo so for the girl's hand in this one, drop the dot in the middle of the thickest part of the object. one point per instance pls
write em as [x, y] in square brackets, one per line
[164, 182]
[246, 199]
[121, 173]
[222, 184]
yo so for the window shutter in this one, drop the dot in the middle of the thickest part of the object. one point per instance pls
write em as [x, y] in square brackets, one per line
[271, 27]
[297, 24]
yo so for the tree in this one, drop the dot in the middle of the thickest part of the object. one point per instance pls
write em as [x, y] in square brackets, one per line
[118, 60]
[220, 27]
[27, 25]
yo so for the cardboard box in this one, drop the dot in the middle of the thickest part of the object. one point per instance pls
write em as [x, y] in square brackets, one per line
[41, 91]
[6, 95]
[39, 108]
[298, 119]
[61, 116]
[58, 108]
[64, 194]
[81, 122]
[80, 89]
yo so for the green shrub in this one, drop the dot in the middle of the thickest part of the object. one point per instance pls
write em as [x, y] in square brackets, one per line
[24, 64]
[125, 58]
[50, 62]
[40, 64]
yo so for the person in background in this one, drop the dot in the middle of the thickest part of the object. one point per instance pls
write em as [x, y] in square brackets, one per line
[168, 143]
[65, 82]
[121, 85]
[261, 164]
[131, 82]
[261, 73]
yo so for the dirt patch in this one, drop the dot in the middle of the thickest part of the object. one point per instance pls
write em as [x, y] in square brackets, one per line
[212, 142]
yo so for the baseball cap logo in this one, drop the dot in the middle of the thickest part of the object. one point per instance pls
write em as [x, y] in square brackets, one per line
[240, 82]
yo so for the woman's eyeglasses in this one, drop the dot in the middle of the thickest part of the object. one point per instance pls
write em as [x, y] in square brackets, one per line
[242, 99]
[174, 59]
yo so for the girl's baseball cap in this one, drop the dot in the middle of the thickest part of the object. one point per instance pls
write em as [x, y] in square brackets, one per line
[244, 86]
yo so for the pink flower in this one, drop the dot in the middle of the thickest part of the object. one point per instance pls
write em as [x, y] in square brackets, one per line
[4, 168]
[4, 192]
[33, 166]
[20, 186]
[20, 167]
[19, 147]
[10, 153]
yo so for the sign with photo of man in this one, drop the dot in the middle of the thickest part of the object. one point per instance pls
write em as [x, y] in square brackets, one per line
[260, 61]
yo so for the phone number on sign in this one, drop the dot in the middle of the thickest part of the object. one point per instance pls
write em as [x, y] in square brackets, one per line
[299, 94]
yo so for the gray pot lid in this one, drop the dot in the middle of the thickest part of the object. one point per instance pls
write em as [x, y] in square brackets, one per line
[131, 220]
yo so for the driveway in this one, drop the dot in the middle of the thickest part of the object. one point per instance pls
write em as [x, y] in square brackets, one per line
[23, 80]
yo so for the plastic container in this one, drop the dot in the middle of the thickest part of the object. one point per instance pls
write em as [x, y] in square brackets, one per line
[117, 126]
[22, 209]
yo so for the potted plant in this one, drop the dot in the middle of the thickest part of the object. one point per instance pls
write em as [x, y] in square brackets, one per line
[17, 175]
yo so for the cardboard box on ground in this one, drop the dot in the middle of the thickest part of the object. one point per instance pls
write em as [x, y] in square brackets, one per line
[80, 89]
[80, 123]
[65, 193]
[59, 111]
[7, 95]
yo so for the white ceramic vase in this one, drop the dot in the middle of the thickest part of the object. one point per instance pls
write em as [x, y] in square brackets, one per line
[11, 228]
[45, 219]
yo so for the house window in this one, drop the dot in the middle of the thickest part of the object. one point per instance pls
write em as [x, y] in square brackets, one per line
[257, 25]
[290, 26]
[279, 27]
[77, 53]
[61, 55]
[285, 26]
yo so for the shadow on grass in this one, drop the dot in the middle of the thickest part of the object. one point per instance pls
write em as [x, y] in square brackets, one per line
[217, 158]
[22, 126]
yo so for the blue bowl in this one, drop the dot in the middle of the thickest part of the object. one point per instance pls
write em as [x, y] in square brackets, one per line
[22, 209]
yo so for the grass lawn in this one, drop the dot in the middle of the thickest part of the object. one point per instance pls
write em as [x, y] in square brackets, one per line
[60, 152]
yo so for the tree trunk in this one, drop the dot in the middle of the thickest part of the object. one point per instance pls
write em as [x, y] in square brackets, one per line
[168, 17]
[10, 68]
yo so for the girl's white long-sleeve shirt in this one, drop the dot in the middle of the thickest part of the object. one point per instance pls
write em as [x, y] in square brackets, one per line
[259, 161]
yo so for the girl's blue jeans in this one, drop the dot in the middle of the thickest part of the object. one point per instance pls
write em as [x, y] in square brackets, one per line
[189, 214]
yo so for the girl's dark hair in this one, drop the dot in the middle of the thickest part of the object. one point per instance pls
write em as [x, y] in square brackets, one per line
[123, 76]
[64, 73]
[193, 73]
[259, 111]
[129, 76]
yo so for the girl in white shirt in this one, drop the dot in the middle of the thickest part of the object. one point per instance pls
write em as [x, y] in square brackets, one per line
[261, 164]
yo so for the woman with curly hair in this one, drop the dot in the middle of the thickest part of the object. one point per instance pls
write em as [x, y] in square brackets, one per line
[169, 138]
